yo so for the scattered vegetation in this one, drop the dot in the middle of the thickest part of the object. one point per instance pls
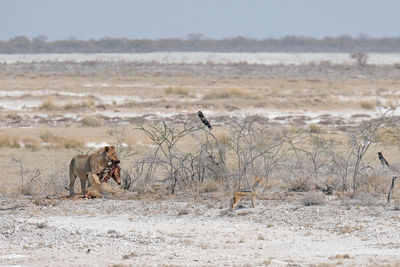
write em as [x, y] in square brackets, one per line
[343, 43]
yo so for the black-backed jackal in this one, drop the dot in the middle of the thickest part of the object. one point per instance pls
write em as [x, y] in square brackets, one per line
[252, 191]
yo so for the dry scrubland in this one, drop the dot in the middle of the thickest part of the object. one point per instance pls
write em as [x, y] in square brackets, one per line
[302, 128]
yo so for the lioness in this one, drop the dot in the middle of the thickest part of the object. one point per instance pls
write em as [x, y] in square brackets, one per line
[87, 166]
[99, 189]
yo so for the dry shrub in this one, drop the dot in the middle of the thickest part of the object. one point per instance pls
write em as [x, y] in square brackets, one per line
[314, 128]
[300, 184]
[48, 105]
[313, 198]
[50, 182]
[89, 103]
[176, 91]
[91, 122]
[374, 183]
[367, 105]
[228, 93]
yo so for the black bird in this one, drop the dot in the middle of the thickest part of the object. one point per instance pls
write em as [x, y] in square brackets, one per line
[382, 159]
[204, 120]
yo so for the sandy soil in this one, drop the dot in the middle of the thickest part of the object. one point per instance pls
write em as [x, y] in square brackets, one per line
[197, 231]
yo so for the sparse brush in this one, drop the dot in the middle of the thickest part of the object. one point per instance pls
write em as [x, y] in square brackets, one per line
[228, 93]
[313, 198]
[374, 182]
[49, 182]
[60, 142]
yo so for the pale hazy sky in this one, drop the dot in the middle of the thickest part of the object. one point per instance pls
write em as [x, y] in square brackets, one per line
[87, 19]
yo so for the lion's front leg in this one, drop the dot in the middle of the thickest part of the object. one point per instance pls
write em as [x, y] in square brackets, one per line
[83, 186]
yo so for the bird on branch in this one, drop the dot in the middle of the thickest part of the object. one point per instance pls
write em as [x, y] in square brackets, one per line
[204, 120]
[382, 159]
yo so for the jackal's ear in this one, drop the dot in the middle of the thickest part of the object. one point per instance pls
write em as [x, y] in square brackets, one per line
[107, 148]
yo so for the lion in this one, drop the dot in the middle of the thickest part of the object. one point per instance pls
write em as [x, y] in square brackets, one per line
[86, 167]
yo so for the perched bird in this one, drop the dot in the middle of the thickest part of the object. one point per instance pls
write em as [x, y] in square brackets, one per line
[204, 120]
[382, 159]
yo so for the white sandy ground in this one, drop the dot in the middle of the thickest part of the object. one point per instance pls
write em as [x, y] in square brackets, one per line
[204, 58]
[195, 231]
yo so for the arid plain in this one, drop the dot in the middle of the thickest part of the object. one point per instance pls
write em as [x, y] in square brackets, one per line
[51, 111]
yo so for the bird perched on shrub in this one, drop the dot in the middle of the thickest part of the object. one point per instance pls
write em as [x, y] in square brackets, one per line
[204, 120]
[382, 159]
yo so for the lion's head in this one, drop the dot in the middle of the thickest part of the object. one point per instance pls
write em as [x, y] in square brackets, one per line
[111, 154]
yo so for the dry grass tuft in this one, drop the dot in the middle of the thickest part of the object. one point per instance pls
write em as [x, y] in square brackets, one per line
[7, 141]
[367, 105]
[91, 122]
[32, 144]
[223, 138]
[48, 105]
[176, 91]
[314, 128]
